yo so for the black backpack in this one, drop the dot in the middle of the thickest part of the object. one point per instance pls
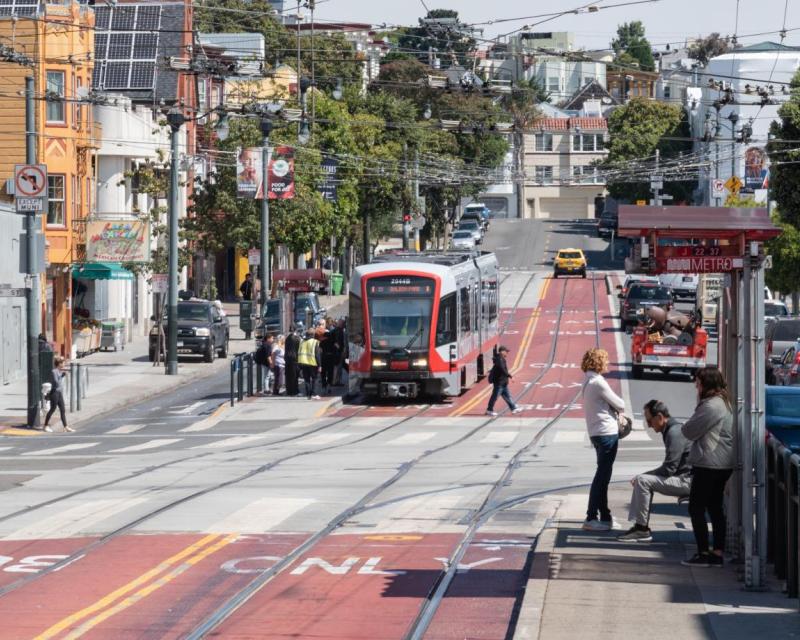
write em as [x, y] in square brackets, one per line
[260, 356]
[490, 378]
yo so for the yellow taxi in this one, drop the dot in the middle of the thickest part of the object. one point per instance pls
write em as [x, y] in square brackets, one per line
[569, 262]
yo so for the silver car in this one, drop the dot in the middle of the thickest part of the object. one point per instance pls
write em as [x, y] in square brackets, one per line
[473, 227]
[463, 240]
[787, 369]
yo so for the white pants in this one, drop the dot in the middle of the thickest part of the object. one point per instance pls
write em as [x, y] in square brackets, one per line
[644, 486]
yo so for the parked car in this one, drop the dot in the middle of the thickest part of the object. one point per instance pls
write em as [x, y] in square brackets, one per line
[683, 285]
[786, 370]
[463, 240]
[642, 295]
[783, 415]
[630, 280]
[780, 334]
[569, 262]
[608, 223]
[202, 330]
[305, 302]
[474, 216]
[474, 228]
[775, 309]
[482, 209]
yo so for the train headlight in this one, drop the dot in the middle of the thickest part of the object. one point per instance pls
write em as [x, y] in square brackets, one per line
[419, 363]
[378, 362]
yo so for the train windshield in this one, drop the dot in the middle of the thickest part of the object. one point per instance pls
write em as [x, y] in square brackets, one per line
[400, 312]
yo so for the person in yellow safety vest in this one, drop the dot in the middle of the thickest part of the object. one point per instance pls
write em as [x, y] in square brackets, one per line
[309, 358]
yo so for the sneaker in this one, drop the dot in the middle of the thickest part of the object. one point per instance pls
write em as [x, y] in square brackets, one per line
[636, 534]
[516, 410]
[315, 398]
[595, 525]
[699, 560]
[69, 429]
[491, 413]
[715, 561]
[48, 428]
[612, 525]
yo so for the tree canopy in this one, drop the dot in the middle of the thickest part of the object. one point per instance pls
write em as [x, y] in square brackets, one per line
[711, 46]
[632, 47]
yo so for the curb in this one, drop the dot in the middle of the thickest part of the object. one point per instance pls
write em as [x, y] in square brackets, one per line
[530, 614]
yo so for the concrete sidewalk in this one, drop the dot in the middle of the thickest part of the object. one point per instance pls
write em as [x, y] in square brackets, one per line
[120, 378]
[589, 585]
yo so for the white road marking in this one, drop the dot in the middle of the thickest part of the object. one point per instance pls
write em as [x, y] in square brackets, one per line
[413, 438]
[72, 522]
[260, 516]
[63, 449]
[189, 409]
[569, 436]
[144, 446]
[5, 448]
[423, 513]
[500, 437]
[323, 438]
[128, 428]
[231, 442]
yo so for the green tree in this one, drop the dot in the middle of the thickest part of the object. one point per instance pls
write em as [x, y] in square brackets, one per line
[445, 37]
[635, 131]
[631, 45]
[785, 251]
[784, 153]
[711, 46]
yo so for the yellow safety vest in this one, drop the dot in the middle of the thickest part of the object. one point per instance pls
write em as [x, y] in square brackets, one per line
[307, 353]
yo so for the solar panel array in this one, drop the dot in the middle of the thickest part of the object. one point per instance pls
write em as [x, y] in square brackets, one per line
[19, 7]
[126, 46]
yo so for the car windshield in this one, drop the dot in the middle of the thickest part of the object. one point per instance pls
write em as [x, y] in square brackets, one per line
[569, 255]
[649, 293]
[301, 303]
[783, 405]
[192, 311]
[469, 224]
[272, 309]
[787, 331]
[462, 234]
[772, 309]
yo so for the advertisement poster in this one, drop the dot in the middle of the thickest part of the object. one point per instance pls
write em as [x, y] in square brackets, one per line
[117, 241]
[328, 187]
[281, 174]
[756, 170]
[248, 172]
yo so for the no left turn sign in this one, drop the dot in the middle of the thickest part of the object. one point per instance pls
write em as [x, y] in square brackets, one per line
[30, 180]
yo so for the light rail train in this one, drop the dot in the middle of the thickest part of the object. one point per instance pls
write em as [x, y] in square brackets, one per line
[422, 323]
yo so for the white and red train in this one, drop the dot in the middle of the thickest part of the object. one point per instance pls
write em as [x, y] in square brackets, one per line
[422, 323]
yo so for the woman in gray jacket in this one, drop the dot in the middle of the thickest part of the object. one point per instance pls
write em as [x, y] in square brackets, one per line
[712, 458]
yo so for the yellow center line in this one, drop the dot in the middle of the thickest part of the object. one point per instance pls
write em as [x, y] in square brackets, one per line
[125, 589]
[151, 588]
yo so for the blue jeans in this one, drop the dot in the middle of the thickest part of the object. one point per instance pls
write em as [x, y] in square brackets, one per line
[606, 450]
[501, 390]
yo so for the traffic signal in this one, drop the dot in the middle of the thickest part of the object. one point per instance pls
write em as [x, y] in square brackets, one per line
[406, 218]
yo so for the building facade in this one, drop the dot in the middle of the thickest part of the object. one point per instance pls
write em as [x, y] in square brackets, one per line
[561, 179]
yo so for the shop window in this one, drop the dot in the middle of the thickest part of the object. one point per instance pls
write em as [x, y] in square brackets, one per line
[56, 194]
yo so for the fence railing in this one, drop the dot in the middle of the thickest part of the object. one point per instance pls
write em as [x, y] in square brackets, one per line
[76, 386]
[783, 514]
[247, 377]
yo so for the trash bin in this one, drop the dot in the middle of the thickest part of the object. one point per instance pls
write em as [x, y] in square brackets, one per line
[337, 280]
[112, 335]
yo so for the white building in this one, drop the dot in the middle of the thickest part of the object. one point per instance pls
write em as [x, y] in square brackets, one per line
[749, 86]
[131, 138]
[13, 339]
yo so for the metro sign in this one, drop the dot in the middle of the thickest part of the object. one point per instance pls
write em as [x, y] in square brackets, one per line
[707, 264]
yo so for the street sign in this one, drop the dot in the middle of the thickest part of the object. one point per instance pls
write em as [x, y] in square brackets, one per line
[30, 180]
[641, 203]
[734, 184]
[7, 291]
[705, 264]
[418, 222]
[25, 205]
[656, 182]
[768, 262]
[717, 188]
[254, 257]
[160, 282]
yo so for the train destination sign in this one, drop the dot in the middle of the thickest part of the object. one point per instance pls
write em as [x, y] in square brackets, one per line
[401, 286]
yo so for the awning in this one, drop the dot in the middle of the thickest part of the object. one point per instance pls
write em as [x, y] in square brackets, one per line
[100, 271]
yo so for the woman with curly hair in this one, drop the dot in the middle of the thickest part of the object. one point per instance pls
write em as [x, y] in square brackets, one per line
[712, 458]
[601, 407]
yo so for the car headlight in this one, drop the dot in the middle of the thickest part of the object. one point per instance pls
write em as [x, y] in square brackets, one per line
[202, 332]
[378, 362]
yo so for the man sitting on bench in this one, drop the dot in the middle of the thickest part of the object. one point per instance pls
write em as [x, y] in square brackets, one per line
[672, 478]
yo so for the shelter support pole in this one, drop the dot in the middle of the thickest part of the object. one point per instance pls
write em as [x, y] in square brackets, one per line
[731, 347]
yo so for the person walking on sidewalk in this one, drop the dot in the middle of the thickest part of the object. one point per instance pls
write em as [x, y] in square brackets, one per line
[671, 478]
[712, 458]
[57, 395]
[601, 407]
[278, 365]
[309, 358]
[290, 351]
[499, 378]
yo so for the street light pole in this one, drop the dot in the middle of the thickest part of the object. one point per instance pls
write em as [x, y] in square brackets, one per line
[175, 118]
[33, 307]
[266, 130]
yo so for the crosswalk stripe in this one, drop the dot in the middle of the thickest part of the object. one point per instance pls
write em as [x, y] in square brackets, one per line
[144, 446]
[569, 436]
[71, 522]
[128, 428]
[62, 449]
[413, 438]
[5, 448]
[500, 437]
[420, 514]
[189, 409]
[323, 438]
[260, 516]
[231, 442]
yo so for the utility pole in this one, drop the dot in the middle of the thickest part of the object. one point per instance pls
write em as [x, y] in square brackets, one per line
[405, 203]
[416, 198]
[656, 184]
[734, 118]
[33, 302]
[175, 118]
[311, 6]
[266, 130]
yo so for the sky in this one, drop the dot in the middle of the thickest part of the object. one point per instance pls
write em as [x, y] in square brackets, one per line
[666, 21]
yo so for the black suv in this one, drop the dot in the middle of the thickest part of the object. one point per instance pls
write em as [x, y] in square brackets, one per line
[642, 295]
[202, 330]
[607, 224]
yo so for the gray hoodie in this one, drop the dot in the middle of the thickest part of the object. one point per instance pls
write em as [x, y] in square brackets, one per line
[711, 431]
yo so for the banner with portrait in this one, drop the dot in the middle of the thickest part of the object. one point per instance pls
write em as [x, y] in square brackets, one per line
[756, 170]
[248, 172]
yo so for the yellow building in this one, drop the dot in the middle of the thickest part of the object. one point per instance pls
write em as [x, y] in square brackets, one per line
[57, 46]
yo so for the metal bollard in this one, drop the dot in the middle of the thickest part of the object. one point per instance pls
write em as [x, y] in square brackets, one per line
[233, 380]
[259, 378]
[249, 358]
[72, 387]
[79, 391]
